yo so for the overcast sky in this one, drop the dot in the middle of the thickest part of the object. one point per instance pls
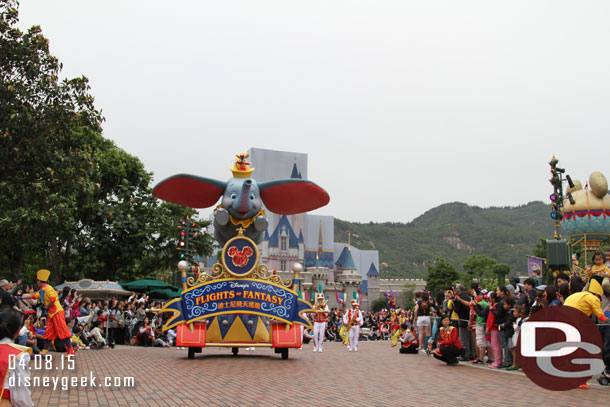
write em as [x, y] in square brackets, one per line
[400, 105]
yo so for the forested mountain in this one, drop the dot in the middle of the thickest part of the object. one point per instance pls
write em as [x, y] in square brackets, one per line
[453, 231]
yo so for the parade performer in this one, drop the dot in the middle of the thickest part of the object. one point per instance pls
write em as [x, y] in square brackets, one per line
[408, 339]
[396, 321]
[352, 319]
[390, 299]
[14, 362]
[589, 301]
[402, 317]
[319, 324]
[394, 325]
[56, 321]
[343, 334]
[449, 346]
[342, 331]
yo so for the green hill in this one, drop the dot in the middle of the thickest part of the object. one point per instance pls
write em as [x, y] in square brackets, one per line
[453, 231]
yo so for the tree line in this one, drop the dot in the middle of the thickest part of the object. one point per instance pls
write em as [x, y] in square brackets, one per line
[70, 199]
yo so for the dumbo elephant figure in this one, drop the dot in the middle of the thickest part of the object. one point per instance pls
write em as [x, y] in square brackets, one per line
[242, 199]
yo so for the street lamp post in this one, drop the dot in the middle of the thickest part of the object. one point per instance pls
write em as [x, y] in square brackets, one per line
[183, 266]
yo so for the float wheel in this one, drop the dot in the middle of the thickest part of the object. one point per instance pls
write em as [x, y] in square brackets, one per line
[235, 350]
[284, 353]
[191, 354]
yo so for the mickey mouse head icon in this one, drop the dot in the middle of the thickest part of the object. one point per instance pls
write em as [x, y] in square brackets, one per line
[238, 257]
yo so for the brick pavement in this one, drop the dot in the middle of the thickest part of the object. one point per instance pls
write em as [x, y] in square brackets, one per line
[375, 376]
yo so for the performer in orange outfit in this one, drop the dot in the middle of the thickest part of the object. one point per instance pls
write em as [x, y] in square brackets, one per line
[56, 319]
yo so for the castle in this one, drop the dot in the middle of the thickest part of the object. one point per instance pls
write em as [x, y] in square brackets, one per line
[339, 270]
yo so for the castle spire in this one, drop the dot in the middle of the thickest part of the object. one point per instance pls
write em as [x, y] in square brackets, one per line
[319, 241]
[349, 240]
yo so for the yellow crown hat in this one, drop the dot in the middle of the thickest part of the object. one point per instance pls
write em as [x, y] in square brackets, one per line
[43, 275]
[595, 286]
[241, 168]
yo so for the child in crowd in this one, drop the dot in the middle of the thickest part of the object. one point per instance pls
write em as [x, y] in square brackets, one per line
[599, 268]
[481, 308]
[27, 335]
[507, 330]
[491, 328]
[96, 333]
[145, 336]
[307, 335]
[521, 314]
[77, 343]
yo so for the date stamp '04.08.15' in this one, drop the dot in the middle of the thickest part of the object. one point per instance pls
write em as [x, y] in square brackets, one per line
[43, 362]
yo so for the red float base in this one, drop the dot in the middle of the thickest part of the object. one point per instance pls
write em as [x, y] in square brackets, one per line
[184, 336]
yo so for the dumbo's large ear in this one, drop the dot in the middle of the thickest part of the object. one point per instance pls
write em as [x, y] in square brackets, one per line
[190, 190]
[290, 196]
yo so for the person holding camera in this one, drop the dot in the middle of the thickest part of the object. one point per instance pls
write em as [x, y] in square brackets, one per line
[462, 308]
[6, 297]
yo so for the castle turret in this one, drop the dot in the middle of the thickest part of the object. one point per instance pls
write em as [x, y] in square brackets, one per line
[372, 286]
[347, 275]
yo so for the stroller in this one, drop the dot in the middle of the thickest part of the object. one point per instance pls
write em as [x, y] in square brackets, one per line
[88, 339]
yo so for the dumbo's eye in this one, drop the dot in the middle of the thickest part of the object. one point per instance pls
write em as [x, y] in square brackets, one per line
[252, 197]
[233, 196]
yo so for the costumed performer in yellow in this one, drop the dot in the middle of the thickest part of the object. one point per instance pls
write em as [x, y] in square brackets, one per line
[343, 334]
[56, 319]
[589, 302]
[402, 318]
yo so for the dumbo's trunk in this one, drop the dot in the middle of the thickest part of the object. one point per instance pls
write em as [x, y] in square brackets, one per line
[242, 203]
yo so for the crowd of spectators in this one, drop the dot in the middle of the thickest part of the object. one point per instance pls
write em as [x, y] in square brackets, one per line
[94, 323]
[487, 322]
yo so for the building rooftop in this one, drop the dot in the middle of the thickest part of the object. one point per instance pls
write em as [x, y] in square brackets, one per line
[372, 270]
[274, 239]
[345, 260]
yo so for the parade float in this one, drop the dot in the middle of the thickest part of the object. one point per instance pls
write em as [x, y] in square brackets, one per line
[240, 302]
[582, 220]
[586, 218]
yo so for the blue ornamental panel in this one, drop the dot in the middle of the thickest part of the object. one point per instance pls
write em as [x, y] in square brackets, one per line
[237, 296]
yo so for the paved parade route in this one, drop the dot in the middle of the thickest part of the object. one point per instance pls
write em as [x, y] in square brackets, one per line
[375, 376]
